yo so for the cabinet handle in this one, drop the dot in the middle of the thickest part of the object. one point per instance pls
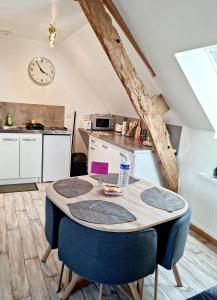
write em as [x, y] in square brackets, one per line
[29, 140]
[92, 141]
[92, 148]
[122, 154]
[10, 140]
[105, 147]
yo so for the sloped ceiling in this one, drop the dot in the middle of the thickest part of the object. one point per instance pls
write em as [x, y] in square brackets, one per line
[163, 28]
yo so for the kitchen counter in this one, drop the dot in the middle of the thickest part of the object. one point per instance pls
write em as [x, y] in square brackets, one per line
[24, 130]
[127, 143]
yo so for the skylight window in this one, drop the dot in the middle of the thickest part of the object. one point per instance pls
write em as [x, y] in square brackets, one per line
[200, 68]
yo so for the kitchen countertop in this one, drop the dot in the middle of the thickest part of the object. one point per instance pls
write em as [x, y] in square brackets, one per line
[127, 143]
[24, 130]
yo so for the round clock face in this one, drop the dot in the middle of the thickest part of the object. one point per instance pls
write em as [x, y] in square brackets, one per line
[41, 70]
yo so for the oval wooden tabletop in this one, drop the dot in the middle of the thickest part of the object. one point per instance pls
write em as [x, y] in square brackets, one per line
[146, 216]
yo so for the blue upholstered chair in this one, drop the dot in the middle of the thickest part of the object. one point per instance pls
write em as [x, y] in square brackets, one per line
[53, 216]
[171, 237]
[106, 257]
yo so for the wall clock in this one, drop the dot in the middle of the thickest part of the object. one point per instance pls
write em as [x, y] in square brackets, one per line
[41, 70]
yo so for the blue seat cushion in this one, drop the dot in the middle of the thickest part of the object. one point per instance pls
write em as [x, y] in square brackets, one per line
[210, 294]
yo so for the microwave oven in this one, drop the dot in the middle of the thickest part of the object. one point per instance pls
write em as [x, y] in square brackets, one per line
[102, 122]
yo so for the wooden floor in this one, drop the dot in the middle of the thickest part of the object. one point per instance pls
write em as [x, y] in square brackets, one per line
[23, 276]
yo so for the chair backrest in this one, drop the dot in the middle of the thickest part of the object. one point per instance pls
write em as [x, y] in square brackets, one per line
[107, 257]
[53, 216]
[172, 238]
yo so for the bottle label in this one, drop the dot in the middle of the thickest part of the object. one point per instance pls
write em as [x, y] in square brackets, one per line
[125, 166]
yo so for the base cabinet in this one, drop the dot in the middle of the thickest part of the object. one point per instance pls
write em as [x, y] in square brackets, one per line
[144, 164]
[20, 158]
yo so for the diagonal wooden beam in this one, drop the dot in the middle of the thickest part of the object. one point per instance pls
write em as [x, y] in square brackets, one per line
[144, 105]
[118, 18]
[159, 99]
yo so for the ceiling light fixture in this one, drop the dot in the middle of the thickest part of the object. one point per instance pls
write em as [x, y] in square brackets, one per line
[52, 35]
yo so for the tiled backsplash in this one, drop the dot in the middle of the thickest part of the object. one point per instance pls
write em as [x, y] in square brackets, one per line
[48, 115]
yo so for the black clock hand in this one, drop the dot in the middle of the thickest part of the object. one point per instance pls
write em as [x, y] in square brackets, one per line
[41, 69]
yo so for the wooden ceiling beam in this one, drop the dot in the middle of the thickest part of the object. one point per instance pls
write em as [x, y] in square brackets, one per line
[144, 105]
[120, 21]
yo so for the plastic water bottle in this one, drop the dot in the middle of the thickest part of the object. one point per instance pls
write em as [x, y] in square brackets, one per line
[124, 174]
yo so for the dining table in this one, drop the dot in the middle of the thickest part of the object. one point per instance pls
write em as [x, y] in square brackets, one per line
[146, 216]
[143, 214]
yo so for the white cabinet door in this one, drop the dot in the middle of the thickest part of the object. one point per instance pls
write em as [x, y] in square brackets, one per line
[30, 155]
[111, 156]
[9, 156]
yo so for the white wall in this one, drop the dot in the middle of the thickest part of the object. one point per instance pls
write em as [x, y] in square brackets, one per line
[69, 87]
[198, 153]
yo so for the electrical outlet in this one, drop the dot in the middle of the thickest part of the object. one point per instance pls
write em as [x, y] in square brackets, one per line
[85, 116]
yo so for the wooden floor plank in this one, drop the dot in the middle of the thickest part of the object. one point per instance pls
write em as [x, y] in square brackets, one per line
[40, 208]
[36, 280]
[29, 249]
[30, 206]
[52, 284]
[90, 292]
[42, 195]
[35, 195]
[18, 201]
[20, 285]
[1, 201]
[109, 292]
[78, 295]
[5, 280]
[41, 187]
[11, 219]
[3, 232]
[49, 268]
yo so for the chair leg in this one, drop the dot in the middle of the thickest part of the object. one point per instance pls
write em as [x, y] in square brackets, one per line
[134, 291]
[155, 283]
[140, 285]
[177, 276]
[68, 276]
[71, 286]
[61, 277]
[46, 254]
[101, 292]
